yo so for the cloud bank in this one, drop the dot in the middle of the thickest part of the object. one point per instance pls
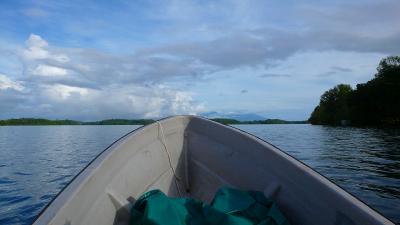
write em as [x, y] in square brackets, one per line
[87, 84]
[124, 59]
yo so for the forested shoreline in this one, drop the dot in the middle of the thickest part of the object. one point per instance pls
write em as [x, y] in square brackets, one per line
[40, 122]
[374, 103]
[47, 122]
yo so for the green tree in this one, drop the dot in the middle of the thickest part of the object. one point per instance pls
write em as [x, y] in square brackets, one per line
[333, 106]
[377, 102]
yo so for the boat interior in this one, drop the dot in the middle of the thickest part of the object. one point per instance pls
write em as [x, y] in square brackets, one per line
[187, 156]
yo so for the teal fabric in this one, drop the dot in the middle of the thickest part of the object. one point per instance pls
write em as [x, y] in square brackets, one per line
[229, 207]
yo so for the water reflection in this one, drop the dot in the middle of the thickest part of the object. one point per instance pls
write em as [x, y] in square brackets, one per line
[37, 162]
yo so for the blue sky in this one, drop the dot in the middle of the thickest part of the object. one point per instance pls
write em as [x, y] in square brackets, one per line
[132, 59]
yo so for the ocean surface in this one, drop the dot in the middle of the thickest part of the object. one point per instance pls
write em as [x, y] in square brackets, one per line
[36, 162]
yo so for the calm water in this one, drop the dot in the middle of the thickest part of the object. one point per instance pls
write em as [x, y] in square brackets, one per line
[36, 162]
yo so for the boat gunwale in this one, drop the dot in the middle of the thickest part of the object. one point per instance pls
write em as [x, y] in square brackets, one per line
[293, 159]
[313, 170]
[90, 164]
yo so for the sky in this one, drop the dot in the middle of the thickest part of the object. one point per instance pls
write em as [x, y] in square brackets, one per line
[91, 60]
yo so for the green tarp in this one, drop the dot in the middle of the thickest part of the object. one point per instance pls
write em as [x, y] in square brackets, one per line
[229, 207]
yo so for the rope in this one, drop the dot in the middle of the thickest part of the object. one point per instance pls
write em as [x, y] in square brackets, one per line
[169, 157]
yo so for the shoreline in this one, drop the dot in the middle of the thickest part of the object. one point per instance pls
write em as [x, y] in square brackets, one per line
[66, 122]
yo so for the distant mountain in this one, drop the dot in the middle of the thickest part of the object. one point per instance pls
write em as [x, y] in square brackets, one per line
[234, 116]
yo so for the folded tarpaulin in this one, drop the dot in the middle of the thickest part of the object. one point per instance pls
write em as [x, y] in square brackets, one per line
[229, 207]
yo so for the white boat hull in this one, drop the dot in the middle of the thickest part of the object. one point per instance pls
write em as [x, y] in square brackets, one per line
[193, 157]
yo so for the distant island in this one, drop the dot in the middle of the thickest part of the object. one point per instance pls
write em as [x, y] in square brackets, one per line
[44, 122]
[39, 122]
[375, 103]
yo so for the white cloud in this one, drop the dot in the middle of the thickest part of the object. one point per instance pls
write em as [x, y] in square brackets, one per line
[59, 91]
[88, 84]
[37, 49]
[7, 83]
[130, 101]
[182, 104]
[156, 101]
[46, 70]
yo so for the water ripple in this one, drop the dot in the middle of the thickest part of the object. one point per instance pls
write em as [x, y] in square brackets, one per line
[366, 162]
[5, 180]
[41, 160]
[37, 162]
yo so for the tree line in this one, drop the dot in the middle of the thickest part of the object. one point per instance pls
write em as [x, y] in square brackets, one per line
[267, 121]
[36, 121]
[374, 103]
[39, 121]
